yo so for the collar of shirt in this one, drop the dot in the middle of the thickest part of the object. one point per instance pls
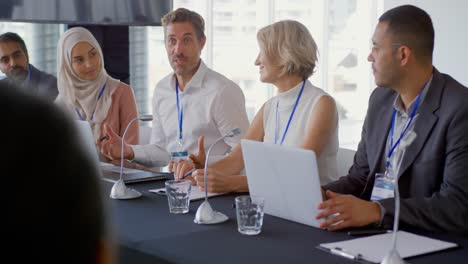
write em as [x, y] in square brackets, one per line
[398, 103]
[288, 99]
[196, 80]
[402, 116]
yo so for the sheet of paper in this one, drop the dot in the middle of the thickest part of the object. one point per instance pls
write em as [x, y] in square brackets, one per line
[374, 248]
[195, 193]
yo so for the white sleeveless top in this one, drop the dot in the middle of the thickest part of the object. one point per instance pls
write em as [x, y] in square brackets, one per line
[327, 163]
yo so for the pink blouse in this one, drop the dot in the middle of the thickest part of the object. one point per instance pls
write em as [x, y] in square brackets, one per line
[121, 112]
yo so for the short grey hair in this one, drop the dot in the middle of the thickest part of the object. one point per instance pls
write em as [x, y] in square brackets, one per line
[290, 46]
[182, 15]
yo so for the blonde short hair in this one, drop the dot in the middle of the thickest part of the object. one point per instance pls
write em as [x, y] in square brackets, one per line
[290, 46]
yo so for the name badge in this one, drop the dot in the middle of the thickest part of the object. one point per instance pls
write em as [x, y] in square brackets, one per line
[176, 156]
[384, 187]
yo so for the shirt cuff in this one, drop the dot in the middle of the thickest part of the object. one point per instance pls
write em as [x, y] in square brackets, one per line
[150, 155]
[138, 153]
[382, 213]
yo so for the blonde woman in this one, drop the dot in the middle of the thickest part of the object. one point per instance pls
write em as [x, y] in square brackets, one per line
[301, 115]
[88, 92]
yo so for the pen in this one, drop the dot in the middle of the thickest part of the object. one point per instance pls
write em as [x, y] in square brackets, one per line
[367, 232]
[161, 191]
[103, 138]
[340, 252]
[189, 172]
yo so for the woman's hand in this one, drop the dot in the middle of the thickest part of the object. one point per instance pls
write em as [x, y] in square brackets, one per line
[220, 183]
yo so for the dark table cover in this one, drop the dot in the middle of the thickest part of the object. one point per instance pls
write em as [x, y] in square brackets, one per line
[148, 233]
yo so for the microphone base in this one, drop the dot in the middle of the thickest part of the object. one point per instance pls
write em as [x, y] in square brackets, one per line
[393, 258]
[130, 194]
[122, 192]
[205, 215]
[217, 218]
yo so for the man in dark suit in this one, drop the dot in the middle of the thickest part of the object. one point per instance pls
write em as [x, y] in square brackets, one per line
[53, 209]
[412, 95]
[14, 63]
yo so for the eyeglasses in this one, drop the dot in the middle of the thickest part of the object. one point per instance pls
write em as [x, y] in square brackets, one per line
[376, 47]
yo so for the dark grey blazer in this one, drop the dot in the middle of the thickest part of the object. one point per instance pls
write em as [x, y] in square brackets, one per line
[434, 173]
[41, 84]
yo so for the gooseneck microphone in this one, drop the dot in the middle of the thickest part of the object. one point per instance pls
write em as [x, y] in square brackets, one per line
[205, 213]
[120, 190]
[393, 257]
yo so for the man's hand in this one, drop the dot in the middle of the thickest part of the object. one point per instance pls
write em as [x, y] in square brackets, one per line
[181, 167]
[110, 145]
[199, 159]
[347, 211]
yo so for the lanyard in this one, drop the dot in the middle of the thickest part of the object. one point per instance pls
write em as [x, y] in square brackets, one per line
[99, 97]
[290, 116]
[413, 113]
[180, 111]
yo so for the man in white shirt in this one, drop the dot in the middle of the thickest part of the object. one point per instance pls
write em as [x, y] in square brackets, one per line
[192, 101]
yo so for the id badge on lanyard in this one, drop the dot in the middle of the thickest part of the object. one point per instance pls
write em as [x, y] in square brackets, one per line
[384, 184]
[180, 152]
[384, 187]
[178, 155]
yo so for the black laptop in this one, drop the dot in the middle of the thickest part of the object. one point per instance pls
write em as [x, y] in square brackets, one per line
[111, 173]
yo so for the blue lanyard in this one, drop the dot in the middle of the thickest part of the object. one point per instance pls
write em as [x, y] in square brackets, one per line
[180, 111]
[290, 116]
[99, 97]
[413, 113]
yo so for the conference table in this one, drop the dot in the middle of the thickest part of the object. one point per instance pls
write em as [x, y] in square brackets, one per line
[148, 233]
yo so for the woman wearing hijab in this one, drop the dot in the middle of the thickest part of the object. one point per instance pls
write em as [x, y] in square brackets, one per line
[88, 92]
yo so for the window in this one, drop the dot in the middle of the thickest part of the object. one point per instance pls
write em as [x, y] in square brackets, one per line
[342, 30]
[41, 42]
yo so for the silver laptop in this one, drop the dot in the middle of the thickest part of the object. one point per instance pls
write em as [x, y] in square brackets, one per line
[286, 177]
[111, 172]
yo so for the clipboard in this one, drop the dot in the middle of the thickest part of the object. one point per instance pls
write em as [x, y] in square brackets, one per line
[372, 249]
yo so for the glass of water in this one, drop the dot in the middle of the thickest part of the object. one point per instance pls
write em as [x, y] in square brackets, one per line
[249, 211]
[178, 196]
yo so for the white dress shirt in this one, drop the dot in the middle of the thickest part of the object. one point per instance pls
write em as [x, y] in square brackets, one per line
[326, 162]
[212, 106]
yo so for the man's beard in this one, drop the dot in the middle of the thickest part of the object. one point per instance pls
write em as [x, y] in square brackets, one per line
[18, 73]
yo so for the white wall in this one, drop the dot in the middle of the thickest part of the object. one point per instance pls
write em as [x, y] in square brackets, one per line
[450, 19]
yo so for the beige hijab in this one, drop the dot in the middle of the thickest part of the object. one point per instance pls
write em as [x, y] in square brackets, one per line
[79, 95]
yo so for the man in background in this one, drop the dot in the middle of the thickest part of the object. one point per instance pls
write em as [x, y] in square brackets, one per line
[14, 63]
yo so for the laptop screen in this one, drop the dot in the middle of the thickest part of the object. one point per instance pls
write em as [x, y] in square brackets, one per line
[110, 172]
[286, 177]
[86, 137]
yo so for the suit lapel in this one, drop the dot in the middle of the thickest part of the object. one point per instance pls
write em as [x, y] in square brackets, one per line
[383, 123]
[33, 83]
[425, 122]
